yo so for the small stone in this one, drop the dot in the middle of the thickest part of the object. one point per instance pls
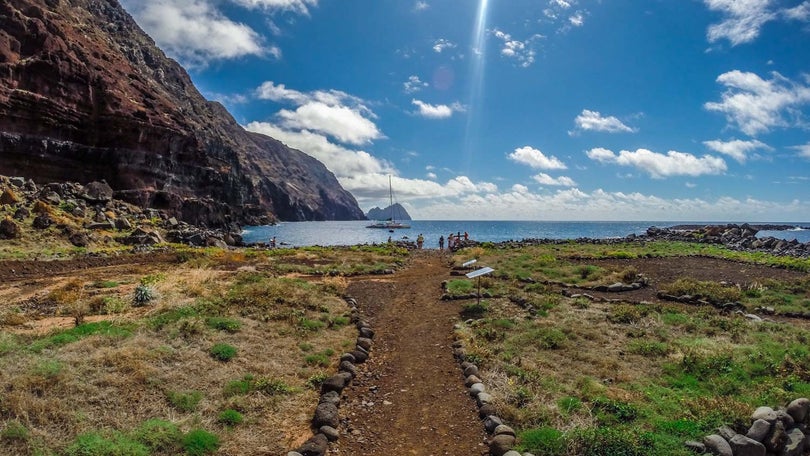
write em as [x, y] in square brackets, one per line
[786, 419]
[471, 380]
[359, 356]
[9, 229]
[504, 429]
[616, 287]
[364, 343]
[483, 398]
[501, 444]
[486, 410]
[346, 366]
[511, 453]
[326, 414]
[726, 432]
[477, 388]
[695, 447]
[367, 333]
[491, 422]
[330, 396]
[334, 383]
[315, 446]
[331, 433]
[347, 357]
[471, 370]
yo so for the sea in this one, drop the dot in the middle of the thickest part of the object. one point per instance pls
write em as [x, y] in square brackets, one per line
[301, 234]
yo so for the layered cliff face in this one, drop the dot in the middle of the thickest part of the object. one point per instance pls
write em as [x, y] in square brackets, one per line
[86, 95]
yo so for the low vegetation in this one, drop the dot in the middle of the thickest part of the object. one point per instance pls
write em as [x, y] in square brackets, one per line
[582, 377]
[166, 358]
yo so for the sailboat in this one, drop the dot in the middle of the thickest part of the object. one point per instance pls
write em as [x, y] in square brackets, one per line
[391, 224]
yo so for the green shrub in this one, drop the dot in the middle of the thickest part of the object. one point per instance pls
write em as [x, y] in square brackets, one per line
[223, 324]
[15, 431]
[158, 435]
[605, 441]
[648, 348]
[199, 442]
[545, 440]
[610, 411]
[241, 386]
[94, 444]
[230, 417]
[315, 381]
[152, 279]
[311, 325]
[222, 352]
[710, 291]
[114, 305]
[144, 294]
[627, 313]
[184, 401]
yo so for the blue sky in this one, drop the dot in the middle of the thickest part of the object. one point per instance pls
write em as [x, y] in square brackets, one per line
[517, 109]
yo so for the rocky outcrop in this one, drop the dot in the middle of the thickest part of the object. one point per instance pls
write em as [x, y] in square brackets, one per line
[736, 237]
[399, 213]
[85, 95]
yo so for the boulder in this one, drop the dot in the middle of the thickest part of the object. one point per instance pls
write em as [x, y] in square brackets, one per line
[695, 447]
[331, 397]
[477, 388]
[364, 343]
[491, 422]
[42, 221]
[471, 380]
[504, 429]
[759, 430]
[143, 236]
[97, 192]
[764, 413]
[367, 333]
[122, 224]
[334, 383]
[9, 229]
[346, 366]
[21, 214]
[9, 197]
[775, 441]
[795, 443]
[717, 445]
[743, 446]
[79, 239]
[472, 369]
[487, 410]
[359, 356]
[799, 409]
[483, 398]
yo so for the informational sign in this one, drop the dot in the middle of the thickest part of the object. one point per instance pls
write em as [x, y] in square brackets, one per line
[469, 263]
[479, 272]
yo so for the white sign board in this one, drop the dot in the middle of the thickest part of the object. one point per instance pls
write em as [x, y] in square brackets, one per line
[479, 272]
[469, 263]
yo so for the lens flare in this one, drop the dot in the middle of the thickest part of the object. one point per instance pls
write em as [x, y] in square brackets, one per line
[476, 80]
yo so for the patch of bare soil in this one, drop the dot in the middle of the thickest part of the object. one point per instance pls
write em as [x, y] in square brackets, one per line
[409, 398]
[15, 270]
[663, 271]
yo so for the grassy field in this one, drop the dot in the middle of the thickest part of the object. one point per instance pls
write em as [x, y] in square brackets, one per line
[616, 378]
[222, 352]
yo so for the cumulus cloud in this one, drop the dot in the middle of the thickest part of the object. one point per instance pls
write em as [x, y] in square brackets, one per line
[370, 188]
[194, 31]
[756, 105]
[414, 84]
[441, 44]
[562, 181]
[521, 51]
[338, 159]
[535, 158]
[589, 120]
[332, 112]
[576, 20]
[421, 6]
[659, 165]
[736, 149]
[439, 111]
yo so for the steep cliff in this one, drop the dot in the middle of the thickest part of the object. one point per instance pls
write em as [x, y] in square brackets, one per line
[86, 95]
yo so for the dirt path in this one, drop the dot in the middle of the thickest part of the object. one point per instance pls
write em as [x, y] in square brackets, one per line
[409, 398]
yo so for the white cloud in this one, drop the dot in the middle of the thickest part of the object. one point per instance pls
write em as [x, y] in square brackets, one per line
[441, 44]
[561, 3]
[431, 176]
[536, 159]
[414, 84]
[340, 160]
[342, 123]
[521, 51]
[804, 150]
[421, 6]
[331, 112]
[562, 181]
[439, 111]
[589, 120]
[659, 165]
[574, 204]
[373, 187]
[194, 31]
[736, 149]
[576, 20]
[798, 13]
[756, 105]
[742, 19]
[298, 6]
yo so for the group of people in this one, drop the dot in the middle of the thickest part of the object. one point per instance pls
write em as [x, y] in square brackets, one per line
[453, 239]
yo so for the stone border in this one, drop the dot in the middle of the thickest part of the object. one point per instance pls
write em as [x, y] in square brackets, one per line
[326, 420]
[503, 437]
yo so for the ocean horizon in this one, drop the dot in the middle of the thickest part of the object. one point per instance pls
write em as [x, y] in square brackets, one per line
[338, 233]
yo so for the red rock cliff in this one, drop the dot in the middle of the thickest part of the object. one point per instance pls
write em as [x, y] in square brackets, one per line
[86, 95]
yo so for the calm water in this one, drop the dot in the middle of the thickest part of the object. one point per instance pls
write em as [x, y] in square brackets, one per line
[350, 233]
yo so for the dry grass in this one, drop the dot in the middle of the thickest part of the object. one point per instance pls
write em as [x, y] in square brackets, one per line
[116, 382]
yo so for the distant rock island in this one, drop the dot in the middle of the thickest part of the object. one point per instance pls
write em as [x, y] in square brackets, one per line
[399, 212]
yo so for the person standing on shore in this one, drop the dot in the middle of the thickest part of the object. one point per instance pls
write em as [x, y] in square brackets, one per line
[420, 240]
[450, 241]
[441, 242]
